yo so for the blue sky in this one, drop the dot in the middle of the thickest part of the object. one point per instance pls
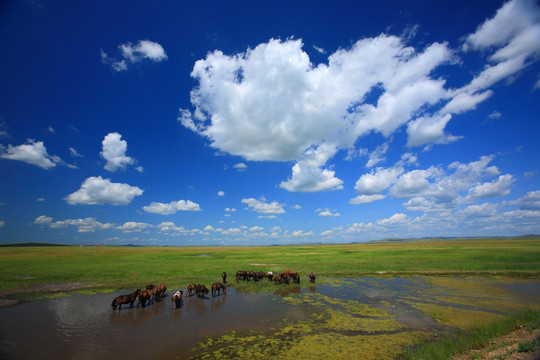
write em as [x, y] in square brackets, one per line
[253, 123]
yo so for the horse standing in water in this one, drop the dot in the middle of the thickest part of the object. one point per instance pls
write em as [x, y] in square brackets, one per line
[125, 299]
[144, 296]
[177, 298]
[224, 277]
[312, 277]
[217, 287]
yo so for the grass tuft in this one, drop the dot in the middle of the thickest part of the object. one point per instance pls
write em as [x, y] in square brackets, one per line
[475, 338]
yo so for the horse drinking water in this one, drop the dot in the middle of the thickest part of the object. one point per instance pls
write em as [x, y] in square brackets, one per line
[125, 299]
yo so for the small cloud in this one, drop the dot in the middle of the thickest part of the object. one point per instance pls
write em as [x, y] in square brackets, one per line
[40, 199]
[172, 207]
[32, 152]
[221, 193]
[74, 152]
[495, 115]
[296, 207]
[319, 49]
[130, 54]
[240, 167]
[51, 129]
[114, 152]
[139, 169]
[328, 213]
[262, 207]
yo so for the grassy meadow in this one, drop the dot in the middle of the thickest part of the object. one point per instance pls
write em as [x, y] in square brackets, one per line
[24, 268]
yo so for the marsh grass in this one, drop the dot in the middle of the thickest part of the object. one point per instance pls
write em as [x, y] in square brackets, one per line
[475, 338]
[131, 267]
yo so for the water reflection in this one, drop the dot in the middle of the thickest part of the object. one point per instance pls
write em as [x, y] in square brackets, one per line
[85, 327]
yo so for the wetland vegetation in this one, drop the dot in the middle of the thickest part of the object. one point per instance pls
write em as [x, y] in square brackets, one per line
[381, 299]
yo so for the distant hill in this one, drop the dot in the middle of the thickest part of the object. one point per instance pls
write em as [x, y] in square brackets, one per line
[427, 239]
[29, 244]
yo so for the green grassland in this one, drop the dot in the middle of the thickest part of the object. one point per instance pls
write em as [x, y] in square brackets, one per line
[22, 268]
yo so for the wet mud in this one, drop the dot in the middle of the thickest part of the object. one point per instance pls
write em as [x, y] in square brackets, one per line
[369, 318]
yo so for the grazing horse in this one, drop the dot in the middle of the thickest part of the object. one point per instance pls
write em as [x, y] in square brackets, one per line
[191, 289]
[312, 277]
[144, 296]
[240, 275]
[285, 278]
[125, 299]
[159, 291]
[295, 278]
[288, 272]
[201, 290]
[277, 279]
[177, 299]
[217, 287]
[270, 275]
[250, 274]
[224, 277]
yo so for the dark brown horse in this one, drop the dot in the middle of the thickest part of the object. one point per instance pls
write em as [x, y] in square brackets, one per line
[144, 296]
[312, 277]
[277, 279]
[125, 299]
[201, 290]
[270, 276]
[177, 298]
[159, 291]
[224, 277]
[217, 287]
[295, 278]
[240, 275]
[191, 289]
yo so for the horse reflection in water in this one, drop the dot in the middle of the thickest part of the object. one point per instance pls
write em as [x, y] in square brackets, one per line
[137, 317]
[218, 302]
[288, 290]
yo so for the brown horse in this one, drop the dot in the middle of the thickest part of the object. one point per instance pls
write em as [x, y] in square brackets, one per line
[312, 277]
[295, 278]
[159, 291]
[191, 289]
[240, 275]
[217, 287]
[277, 279]
[144, 296]
[177, 299]
[224, 277]
[201, 290]
[125, 299]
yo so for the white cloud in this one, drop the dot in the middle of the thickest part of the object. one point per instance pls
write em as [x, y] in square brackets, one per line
[98, 191]
[2, 223]
[221, 193]
[366, 199]
[256, 228]
[132, 226]
[272, 102]
[83, 225]
[144, 49]
[328, 213]
[33, 152]
[172, 207]
[262, 207]
[495, 188]
[240, 167]
[292, 105]
[307, 175]
[114, 152]
[531, 201]
[377, 155]
[74, 152]
[378, 180]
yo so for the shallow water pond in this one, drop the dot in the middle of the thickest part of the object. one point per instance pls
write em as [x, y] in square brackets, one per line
[369, 318]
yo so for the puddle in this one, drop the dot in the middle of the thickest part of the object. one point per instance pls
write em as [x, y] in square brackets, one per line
[333, 319]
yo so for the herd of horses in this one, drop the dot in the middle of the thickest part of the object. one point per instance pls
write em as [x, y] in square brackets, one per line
[153, 293]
